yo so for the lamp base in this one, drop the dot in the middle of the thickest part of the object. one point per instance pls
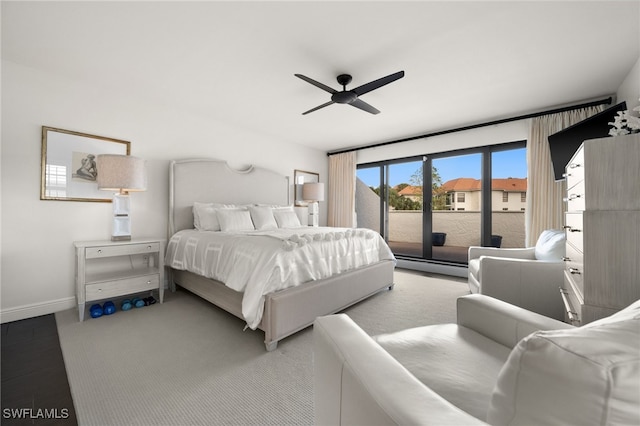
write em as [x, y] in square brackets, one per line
[121, 238]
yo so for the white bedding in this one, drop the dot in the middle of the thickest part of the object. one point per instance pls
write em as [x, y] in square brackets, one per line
[261, 262]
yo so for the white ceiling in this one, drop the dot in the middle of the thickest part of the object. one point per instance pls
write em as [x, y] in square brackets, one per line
[465, 62]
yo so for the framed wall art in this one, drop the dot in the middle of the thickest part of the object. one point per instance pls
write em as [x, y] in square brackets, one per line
[69, 164]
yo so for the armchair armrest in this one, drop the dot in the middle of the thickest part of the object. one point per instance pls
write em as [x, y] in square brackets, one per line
[513, 253]
[358, 382]
[530, 284]
[500, 321]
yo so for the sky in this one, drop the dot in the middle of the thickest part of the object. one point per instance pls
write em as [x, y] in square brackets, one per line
[512, 163]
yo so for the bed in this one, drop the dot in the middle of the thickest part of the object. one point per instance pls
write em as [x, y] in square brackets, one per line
[285, 311]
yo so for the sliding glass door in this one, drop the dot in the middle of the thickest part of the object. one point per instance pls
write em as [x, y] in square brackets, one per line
[456, 206]
[475, 197]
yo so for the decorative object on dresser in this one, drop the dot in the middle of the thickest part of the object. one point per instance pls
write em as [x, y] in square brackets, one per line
[122, 173]
[312, 193]
[526, 277]
[69, 167]
[107, 269]
[280, 291]
[602, 224]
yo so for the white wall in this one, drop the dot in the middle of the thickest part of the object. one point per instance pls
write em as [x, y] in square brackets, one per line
[490, 135]
[37, 258]
[629, 90]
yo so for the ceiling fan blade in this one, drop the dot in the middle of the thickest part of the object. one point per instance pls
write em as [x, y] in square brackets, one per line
[316, 83]
[358, 103]
[318, 107]
[366, 88]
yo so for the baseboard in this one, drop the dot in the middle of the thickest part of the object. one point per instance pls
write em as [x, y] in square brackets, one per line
[36, 309]
[435, 268]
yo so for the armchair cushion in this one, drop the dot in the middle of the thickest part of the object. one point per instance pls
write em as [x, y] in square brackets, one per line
[550, 245]
[582, 375]
[429, 352]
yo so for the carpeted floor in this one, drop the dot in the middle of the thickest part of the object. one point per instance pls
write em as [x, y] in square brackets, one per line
[188, 362]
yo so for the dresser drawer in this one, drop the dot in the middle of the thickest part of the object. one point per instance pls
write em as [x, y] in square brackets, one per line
[114, 288]
[576, 198]
[573, 254]
[574, 276]
[121, 250]
[575, 169]
[572, 305]
[574, 227]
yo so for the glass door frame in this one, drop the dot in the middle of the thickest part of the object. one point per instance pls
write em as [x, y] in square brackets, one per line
[427, 182]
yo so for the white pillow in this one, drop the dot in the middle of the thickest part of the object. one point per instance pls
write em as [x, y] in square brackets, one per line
[204, 216]
[234, 220]
[262, 217]
[286, 218]
[550, 245]
[584, 375]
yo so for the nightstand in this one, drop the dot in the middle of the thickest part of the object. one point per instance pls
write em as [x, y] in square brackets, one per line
[106, 269]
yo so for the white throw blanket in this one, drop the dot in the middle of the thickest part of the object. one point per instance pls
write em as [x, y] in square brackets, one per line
[261, 262]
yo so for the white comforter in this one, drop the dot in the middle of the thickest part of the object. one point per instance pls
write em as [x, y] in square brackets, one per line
[261, 262]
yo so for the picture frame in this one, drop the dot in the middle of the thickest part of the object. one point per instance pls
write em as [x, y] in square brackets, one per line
[68, 164]
[301, 177]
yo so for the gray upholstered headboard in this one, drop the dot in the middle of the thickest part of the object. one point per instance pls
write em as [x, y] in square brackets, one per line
[213, 181]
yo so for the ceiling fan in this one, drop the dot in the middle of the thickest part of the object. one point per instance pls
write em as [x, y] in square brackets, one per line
[351, 97]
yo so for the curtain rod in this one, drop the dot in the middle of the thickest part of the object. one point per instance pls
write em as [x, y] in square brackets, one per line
[606, 101]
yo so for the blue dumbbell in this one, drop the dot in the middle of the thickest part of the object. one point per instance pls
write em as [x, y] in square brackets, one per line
[137, 302]
[109, 308]
[126, 305]
[95, 311]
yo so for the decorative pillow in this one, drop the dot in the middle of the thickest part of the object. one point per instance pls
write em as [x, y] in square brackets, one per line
[204, 216]
[234, 220]
[550, 245]
[286, 218]
[262, 217]
[584, 375]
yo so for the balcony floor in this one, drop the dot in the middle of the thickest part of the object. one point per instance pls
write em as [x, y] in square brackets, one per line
[443, 253]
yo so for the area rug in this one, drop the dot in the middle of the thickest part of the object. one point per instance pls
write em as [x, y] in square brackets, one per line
[186, 362]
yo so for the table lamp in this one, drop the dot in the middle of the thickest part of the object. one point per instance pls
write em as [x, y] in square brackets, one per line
[124, 174]
[312, 193]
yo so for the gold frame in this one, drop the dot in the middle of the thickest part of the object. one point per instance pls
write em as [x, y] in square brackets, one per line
[67, 160]
[297, 186]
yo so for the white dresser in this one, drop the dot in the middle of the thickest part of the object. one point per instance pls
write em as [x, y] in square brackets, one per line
[602, 223]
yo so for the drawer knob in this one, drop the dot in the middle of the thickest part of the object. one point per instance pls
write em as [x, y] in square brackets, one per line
[99, 251]
[566, 259]
[574, 165]
[149, 247]
[574, 271]
[574, 196]
[149, 282]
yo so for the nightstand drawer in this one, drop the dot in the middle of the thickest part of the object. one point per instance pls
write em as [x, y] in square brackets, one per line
[121, 250]
[119, 287]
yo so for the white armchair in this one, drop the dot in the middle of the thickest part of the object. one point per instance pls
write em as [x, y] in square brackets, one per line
[526, 277]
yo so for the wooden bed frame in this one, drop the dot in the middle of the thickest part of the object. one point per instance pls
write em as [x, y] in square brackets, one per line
[285, 311]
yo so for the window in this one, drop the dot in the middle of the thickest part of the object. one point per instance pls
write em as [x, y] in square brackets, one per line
[474, 182]
[523, 197]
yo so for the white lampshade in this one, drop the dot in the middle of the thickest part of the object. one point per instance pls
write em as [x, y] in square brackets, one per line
[313, 191]
[122, 173]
